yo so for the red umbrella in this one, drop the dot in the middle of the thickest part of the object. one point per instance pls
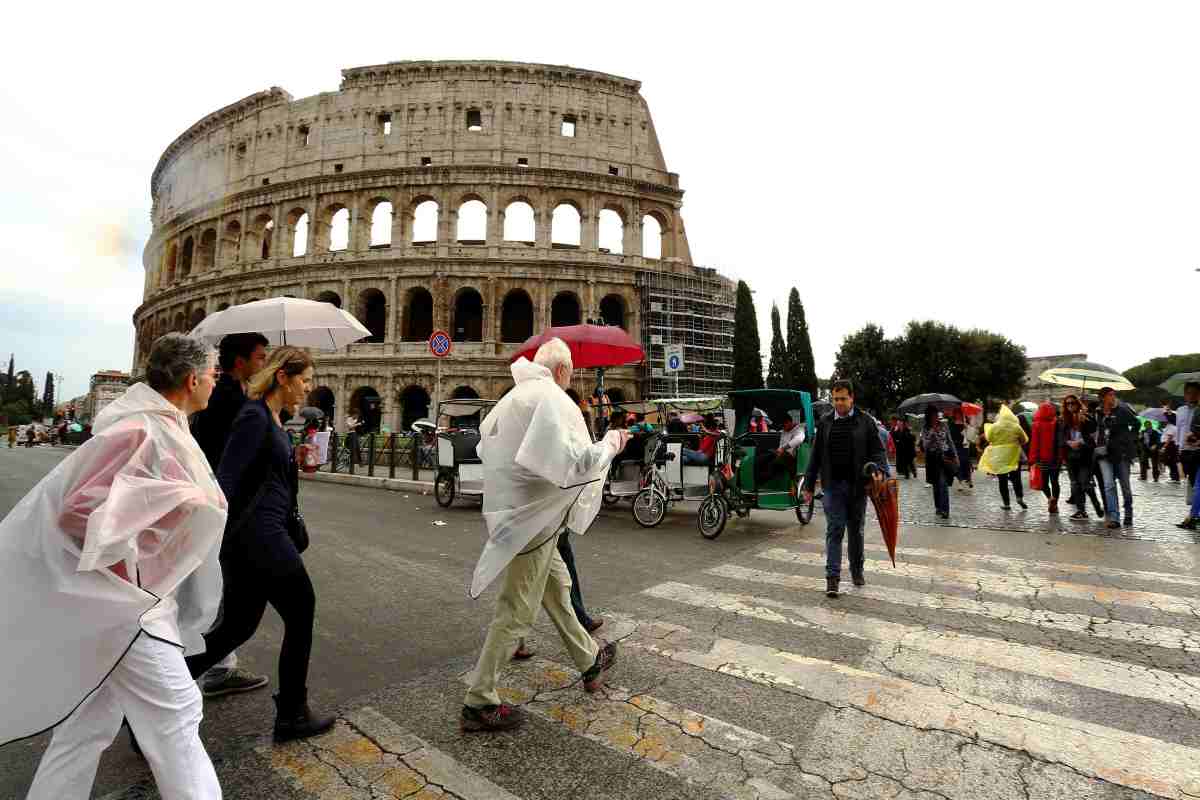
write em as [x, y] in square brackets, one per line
[885, 496]
[971, 409]
[591, 345]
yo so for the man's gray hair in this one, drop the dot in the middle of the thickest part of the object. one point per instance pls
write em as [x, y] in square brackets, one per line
[172, 358]
[554, 353]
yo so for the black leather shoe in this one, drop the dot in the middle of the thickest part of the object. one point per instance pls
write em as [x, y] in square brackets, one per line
[859, 579]
[295, 720]
[831, 587]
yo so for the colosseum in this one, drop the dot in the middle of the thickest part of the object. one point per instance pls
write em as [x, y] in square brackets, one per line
[487, 199]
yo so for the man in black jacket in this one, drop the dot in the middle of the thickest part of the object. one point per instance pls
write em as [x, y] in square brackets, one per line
[847, 440]
[1116, 437]
[240, 356]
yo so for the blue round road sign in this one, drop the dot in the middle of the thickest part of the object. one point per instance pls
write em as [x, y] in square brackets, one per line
[439, 344]
[673, 362]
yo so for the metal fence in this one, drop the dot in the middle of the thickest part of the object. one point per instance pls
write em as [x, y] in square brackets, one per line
[379, 454]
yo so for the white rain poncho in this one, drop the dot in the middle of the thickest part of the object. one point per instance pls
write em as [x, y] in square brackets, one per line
[539, 467]
[139, 500]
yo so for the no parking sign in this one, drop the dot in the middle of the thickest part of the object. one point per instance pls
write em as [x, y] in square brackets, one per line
[439, 344]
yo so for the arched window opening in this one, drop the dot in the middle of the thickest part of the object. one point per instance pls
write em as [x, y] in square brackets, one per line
[564, 310]
[414, 405]
[367, 406]
[198, 316]
[474, 120]
[468, 316]
[612, 232]
[223, 306]
[323, 398]
[269, 232]
[425, 223]
[564, 226]
[471, 420]
[339, 230]
[185, 263]
[231, 242]
[612, 310]
[518, 223]
[516, 317]
[418, 317]
[208, 250]
[381, 225]
[299, 235]
[169, 262]
[372, 310]
[651, 237]
[472, 223]
[333, 298]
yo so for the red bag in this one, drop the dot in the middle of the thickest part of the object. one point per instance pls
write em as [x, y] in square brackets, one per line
[1036, 480]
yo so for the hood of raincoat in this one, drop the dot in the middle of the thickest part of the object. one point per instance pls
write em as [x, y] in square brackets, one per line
[1005, 437]
[540, 468]
[119, 541]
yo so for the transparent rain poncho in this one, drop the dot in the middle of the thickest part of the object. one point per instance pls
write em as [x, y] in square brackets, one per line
[540, 467]
[120, 540]
[1005, 437]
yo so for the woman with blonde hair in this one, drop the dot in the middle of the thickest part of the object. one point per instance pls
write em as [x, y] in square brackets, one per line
[265, 534]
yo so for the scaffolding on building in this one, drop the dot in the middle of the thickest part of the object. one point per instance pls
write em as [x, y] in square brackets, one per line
[693, 309]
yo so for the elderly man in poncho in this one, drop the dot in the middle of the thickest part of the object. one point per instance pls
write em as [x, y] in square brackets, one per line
[541, 473]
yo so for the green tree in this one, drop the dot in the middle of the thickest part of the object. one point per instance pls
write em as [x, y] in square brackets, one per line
[747, 354]
[1146, 377]
[24, 392]
[930, 359]
[992, 366]
[801, 370]
[775, 371]
[9, 384]
[868, 359]
[48, 396]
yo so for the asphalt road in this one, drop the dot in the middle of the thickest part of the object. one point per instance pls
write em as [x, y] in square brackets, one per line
[990, 663]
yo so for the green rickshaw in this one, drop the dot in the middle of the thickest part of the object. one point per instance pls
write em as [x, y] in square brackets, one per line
[734, 485]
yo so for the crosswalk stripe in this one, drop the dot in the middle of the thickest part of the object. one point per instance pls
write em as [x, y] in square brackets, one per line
[1020, 586]
[894, 639]
[726, 759]
[1119, 630]
[1131, 760]
[368, 755]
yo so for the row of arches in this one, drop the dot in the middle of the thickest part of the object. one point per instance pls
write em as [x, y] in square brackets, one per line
[519, 224]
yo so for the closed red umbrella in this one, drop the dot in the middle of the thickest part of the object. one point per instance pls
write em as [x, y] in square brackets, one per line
[591, 345]
[885, 496]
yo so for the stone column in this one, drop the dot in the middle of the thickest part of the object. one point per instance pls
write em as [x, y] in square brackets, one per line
[359, 239]
[589, 225]
[495, 218]
[542, 218]
[390, 330]
[310, 245]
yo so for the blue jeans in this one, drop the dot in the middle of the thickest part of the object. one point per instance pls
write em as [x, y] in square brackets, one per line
[1111, 474]
[694, 458]
[843, 510]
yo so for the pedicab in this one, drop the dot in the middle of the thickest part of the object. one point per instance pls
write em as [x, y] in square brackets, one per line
[626, 471]
[459, 468]
[734, 486]
[666, 478]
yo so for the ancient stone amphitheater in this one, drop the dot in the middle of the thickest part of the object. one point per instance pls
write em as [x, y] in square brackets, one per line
[487, 199]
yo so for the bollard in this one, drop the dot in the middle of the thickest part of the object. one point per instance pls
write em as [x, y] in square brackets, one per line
[414, 455]
[392, 454]
[333, 452]
[353, 437]
[371, 455]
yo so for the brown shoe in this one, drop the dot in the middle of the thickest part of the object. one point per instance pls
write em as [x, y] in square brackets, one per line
[490, 718]
[593, 679]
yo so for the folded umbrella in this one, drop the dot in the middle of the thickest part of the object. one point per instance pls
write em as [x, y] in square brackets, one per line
[885, 497]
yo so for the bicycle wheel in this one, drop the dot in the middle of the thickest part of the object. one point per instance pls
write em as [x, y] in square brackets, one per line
[712, 516]
[804, 511]
[443, 490]
[649, 508]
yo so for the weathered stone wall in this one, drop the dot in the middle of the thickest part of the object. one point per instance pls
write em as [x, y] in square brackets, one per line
[231, 194]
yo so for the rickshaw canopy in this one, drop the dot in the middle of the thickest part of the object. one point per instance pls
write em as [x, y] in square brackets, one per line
[777, 404]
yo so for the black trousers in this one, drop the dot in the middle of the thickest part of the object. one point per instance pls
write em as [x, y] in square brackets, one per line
[1050, 484]
[247, 593]
[1015, 478]
[568, 557]
[1148, 459]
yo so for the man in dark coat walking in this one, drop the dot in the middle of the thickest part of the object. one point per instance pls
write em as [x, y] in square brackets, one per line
[847, 440]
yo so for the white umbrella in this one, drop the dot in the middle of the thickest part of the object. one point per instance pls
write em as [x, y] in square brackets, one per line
[285, 320]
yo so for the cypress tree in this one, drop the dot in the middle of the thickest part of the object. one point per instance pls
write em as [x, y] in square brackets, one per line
[747, 355]
[775, 372]
[801, 371]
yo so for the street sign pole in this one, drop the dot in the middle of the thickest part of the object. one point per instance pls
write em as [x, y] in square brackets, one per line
[440, 346]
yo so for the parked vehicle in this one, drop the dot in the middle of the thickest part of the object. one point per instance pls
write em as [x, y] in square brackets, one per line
[459, 469]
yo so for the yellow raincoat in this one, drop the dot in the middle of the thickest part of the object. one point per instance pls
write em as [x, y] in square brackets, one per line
[1005, 437]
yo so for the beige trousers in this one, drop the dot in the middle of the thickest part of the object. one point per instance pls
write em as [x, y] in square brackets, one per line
[536, 577]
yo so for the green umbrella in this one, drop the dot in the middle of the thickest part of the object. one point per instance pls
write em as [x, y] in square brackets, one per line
[1082, 374]
[1174, 384]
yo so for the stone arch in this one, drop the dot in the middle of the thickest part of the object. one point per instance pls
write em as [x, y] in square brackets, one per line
[323, 398]
[198, 316]
[414, 405]
[258, 237]
[610, 236]
[367, 405]
[372, 311]
[565, 309]
[185, 258]
[425, 213]
[169, 259]
[465, 392]
[654, 240]
[418, 315]
[298, 222]
[516, 316]
[231, 242]
[467, 320]
[612, 311]
[520, 224]
[223, 306]
[206, 256]
[472, 218]
[381, 222]
[566, 225]
[333, 298]
[334, 228]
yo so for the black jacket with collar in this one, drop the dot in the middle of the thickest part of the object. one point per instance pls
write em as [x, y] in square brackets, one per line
[867, 449]
[211, 426]
[1119, 432]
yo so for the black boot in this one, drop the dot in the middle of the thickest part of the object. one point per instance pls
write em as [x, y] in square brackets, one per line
[831, 587]
[295, 720]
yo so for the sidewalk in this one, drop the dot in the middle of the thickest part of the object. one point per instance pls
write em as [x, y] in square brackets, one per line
[378, 482]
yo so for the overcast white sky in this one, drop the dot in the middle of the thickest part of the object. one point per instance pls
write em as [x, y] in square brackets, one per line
[1028, 167]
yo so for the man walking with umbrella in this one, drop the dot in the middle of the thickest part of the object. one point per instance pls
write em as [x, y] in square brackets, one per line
[847, 440]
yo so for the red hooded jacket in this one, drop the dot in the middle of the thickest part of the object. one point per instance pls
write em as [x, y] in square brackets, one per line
[1043, 443]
